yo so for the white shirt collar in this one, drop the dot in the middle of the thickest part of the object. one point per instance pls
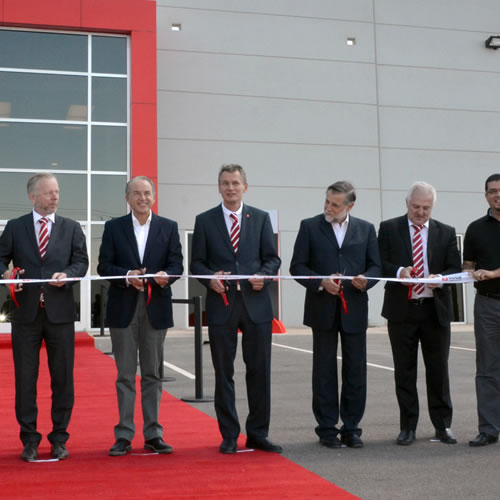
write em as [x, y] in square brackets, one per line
[343, 224]
[37, 217]
[411, 224]
[136, 222]
[228, 212]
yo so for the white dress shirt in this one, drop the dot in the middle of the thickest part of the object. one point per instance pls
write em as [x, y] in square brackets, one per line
[141, 232]
[340, 229]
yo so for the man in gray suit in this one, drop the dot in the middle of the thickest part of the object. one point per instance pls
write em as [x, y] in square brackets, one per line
[139, 311]
[44, 245]
[335, 243]
[234, 238]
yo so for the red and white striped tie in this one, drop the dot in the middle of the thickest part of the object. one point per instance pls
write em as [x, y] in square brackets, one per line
[43, 238]
[235, 232]
[418, 259]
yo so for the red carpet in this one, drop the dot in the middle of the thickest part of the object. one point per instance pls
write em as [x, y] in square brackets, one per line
[195, 470]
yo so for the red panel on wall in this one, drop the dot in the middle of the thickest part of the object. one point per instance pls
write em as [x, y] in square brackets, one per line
[144, 66]
[1, 11]
[144, 144]
[58, 13]
[119, 15]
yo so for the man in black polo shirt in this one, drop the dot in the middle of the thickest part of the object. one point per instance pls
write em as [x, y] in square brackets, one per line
[482, 257]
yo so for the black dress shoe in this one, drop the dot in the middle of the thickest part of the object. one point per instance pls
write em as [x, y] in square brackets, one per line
[263, 444]
[406, 437]
[120, 448]
[483, 439]
[158, 445]
[30, 452]
[331, 442]
[446, 436]
[228, 446]
[59, 451]
[352, 441]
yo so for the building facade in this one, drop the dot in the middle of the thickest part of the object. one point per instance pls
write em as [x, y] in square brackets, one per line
[302, 94]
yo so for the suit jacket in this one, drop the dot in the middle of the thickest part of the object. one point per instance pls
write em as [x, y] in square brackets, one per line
[66, 252]
[396, 251]
[119, 254]
[212, 251]
[316, 252]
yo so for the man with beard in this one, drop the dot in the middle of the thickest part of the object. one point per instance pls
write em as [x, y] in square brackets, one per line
[331, 244]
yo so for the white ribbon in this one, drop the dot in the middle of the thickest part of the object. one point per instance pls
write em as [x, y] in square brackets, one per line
[449, 279]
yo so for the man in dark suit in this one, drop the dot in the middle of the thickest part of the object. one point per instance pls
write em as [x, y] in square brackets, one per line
[139, 311]
[415, 245]
[331, 244]
[44, 245]
[234, 238]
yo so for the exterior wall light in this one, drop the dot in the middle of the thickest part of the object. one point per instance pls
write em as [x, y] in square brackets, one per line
[493, 42]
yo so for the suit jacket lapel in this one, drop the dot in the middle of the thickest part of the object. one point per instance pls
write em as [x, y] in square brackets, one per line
[327, 230]
[245, 221]
[128, 229]
[152, 234]
[430, 238]
[404, 231]
[30, 229]
[54, 235]
[351, 230]
[221, 225]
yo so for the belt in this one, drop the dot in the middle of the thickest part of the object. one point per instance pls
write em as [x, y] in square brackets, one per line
[422, 300]
[491, 295]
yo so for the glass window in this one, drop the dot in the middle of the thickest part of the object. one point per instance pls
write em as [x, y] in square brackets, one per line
[14, 200]
[45, 125]
[35, 50]
[43, 146]
[108, 196]
[109, 54]
[109, 99]
[46, 97]
[109, 148]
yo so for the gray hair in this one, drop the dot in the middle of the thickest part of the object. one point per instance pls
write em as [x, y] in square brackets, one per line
[421, 187]
[344, 187]
[34, 180]
[140, 178]
[231, 168]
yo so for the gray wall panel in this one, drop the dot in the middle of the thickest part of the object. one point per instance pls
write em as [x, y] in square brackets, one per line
[195, 116]
[434, 48]
[294, 165]
[359, 10]
[251, 34]
[459, 171]
[435, 129]
[452, 14]
[277, 77]
[436, 88]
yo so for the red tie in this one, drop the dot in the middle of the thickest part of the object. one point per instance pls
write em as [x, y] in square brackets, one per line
[418, 259]
[43, 238]
[235, 232]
